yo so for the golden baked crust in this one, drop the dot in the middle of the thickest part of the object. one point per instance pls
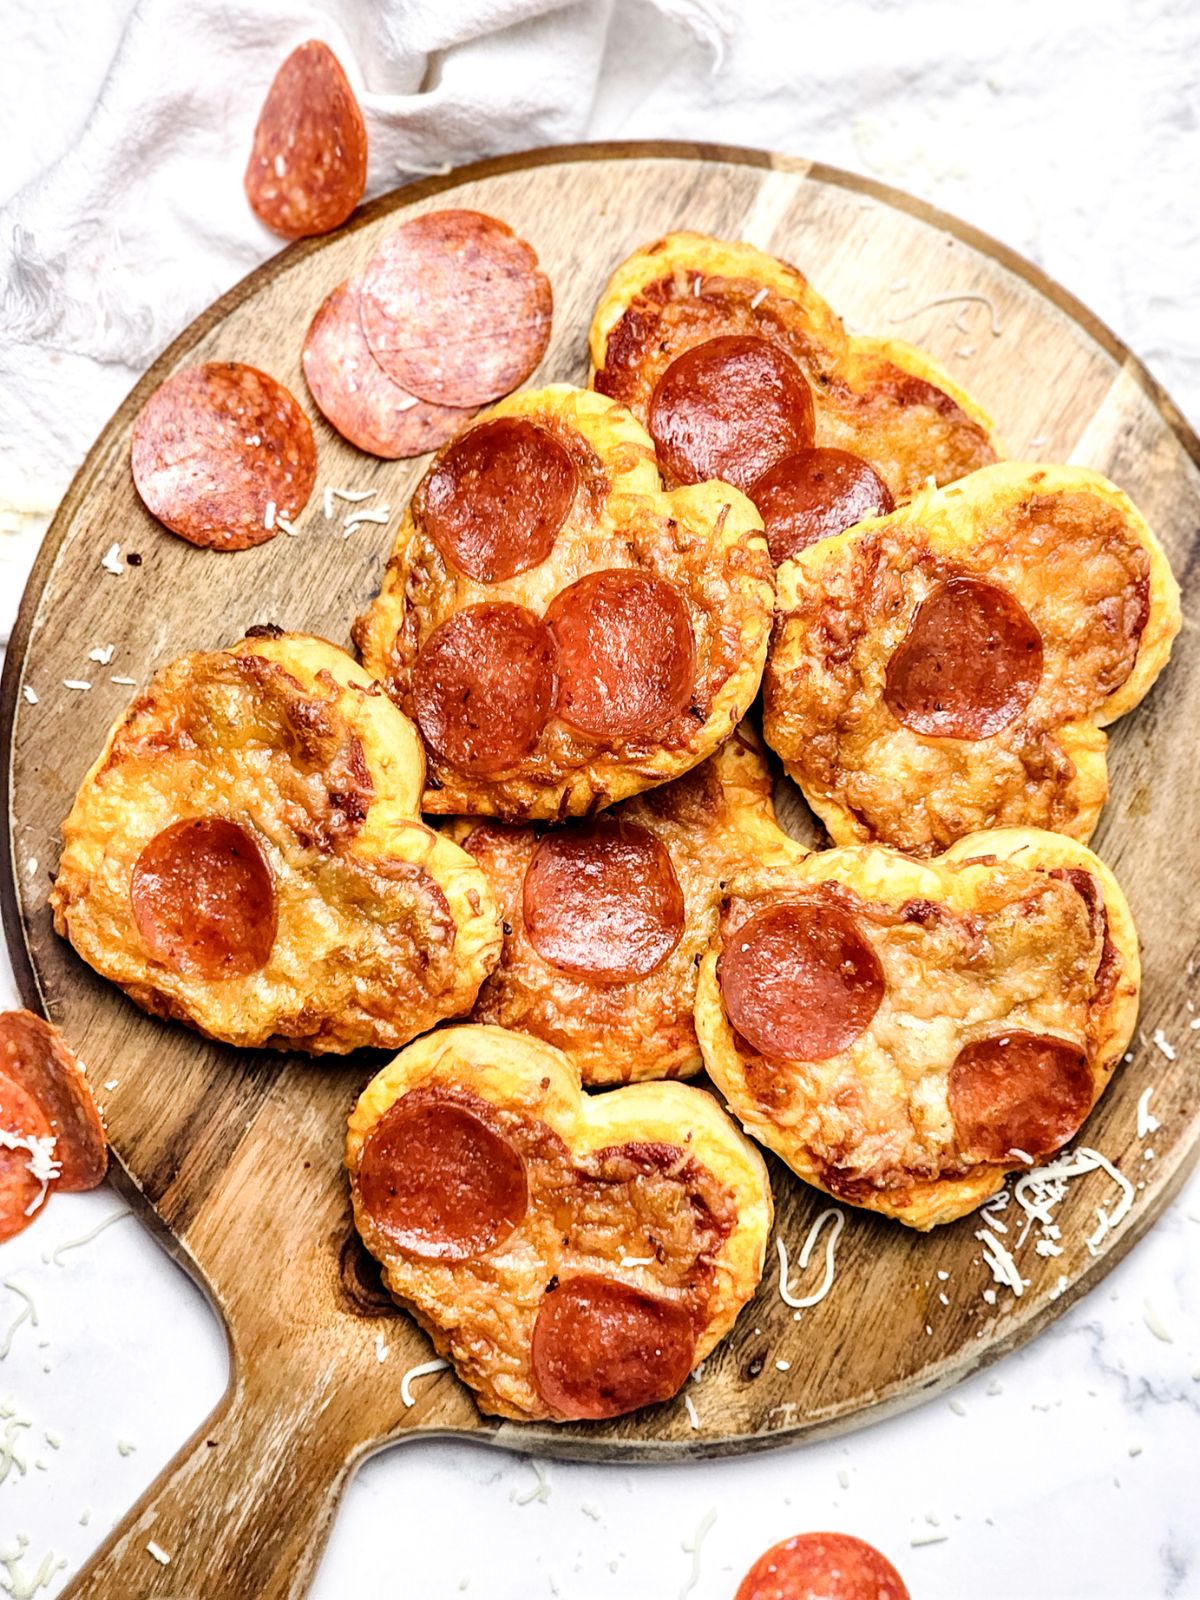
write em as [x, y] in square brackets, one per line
[649, 1186]
[1077, 557]
[307, 906]
[705, 541]
[1011, 933]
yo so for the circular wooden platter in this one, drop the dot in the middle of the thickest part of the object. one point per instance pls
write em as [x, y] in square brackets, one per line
[235, 1159]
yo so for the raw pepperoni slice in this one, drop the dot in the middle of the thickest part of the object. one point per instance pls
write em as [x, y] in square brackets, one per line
[204, 901]
[439, 1181]
[822, 1566]
[356, 395]
[626, 653]
[969, 664]
[603, 902]
[730, 408]
[484, 687]
[308, 168]
[35, 1056]
[602, 1348]
[21, 1118]
[214, 446]
[495, 501]
[1018, 1091]
[799, 982]
[814, 495]
[455, 308]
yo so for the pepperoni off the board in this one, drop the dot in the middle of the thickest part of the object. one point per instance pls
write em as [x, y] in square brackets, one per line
[574, 1257]
[950, 667]
[822, 1566]
[815, 1003]
[562, 631]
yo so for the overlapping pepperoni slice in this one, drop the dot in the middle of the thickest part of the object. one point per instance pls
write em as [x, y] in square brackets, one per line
[799, 981]
[1020, 1092]
[815, 494]
[214, 446]
[822, 1566]
[23, 1120]
[35, 1059]
[969, 664]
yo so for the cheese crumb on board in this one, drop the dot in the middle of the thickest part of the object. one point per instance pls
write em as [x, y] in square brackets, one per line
[102, 653]
[159, 1554]
[111, 560]
[951, 300]
[1147, 1122]
[423, 1370]
[81, 684]
[30, 694]
[802, 1304]
[1159, 1038]
[689, 1405]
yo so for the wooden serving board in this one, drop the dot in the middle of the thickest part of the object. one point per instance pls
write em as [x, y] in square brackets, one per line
[234, 1159]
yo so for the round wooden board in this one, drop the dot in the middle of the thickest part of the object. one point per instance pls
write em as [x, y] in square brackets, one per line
[236, 1158]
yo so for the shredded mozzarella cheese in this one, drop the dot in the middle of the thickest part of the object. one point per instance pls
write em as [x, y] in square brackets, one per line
[422, 1370]
[785, 1294]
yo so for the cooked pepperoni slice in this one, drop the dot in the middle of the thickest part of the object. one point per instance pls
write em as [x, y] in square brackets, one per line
[439, 1181]
[799, 981]
[21, 1118]
[730, 408]
[36, 1057]
[484, 687]
[214, 446]
[1018, 1091]
[495, 501]
[969, 664]
[814, 495]
[626, 653]
[822, 1566]
[308, 168]
[357, 396]
[455, 308]
[603, 901]
[602, 1348]
[204, 900]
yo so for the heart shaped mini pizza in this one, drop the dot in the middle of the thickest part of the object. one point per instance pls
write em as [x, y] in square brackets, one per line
[574, 1256]
[247, 856]
[903, 1033]
[950, 667]
[563, 632]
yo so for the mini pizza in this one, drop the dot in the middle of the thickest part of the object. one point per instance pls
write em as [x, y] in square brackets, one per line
[741, 371]
[822, 1566]
[605, 921]
[950, 667]
[903, 1033]
[574, 1257]
[247, 856]
[564, 633]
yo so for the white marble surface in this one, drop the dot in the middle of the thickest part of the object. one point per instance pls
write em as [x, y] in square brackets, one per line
[1071, 1472]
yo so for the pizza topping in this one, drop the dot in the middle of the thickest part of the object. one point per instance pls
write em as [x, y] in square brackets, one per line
[308, 168]
[822, 1566]
[455, 309]
[36, 1058]
[603, 901]
[496, 500]
[626, 653]
[484, 687]
[214, 446]
[730, 408]
[969, 664]
[1018, 1094]
[799, 981]
[602, 1348]
[816, 494]
[204, 901]
[24, 1135]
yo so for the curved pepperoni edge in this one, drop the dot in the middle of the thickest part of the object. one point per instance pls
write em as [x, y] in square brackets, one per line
[1021, 1092]
[822, 1566]
[816, 494]
[37, 1058]
[455, 308]
[203, 899]
[602, 1348]
[969, 664]
[308, 164]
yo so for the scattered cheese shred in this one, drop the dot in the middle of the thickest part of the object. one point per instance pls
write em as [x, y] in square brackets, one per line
[1004, 1268]
[76, 683]
[10, 1457]
[122, 678]
[928, 1538]
[423, 1370]
[381, 1349]
[159, 1554]
[538, 1491]
[758, 299]
[352, 495]
[24, 1586]
[1155, 1323]
[953, 300]
[30, 694]
[102, 653]
[785, 1294]
[86, 1238]
[1160, 1039]
[693, 1547]
[269, 516]
[285, 523]
[111, 560]
[689, 1405]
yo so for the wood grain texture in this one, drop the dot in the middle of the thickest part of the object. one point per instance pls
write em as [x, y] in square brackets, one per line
[235, 1159]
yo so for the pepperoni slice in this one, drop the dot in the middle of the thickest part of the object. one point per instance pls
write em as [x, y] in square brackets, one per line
[308, 167]
[20, 1192]
[455, 308]
[822, 1566]
[603, 902]
[484, 687]
[356, 395]
[495, 501]
[602, 1348]
[814, 495]
[800, 982]
[439, 1181]
[36, 1057]
[969, 664]
[626, 653]
[204, 901]
[730, 408]
[214, 446]
[1018, 1091]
